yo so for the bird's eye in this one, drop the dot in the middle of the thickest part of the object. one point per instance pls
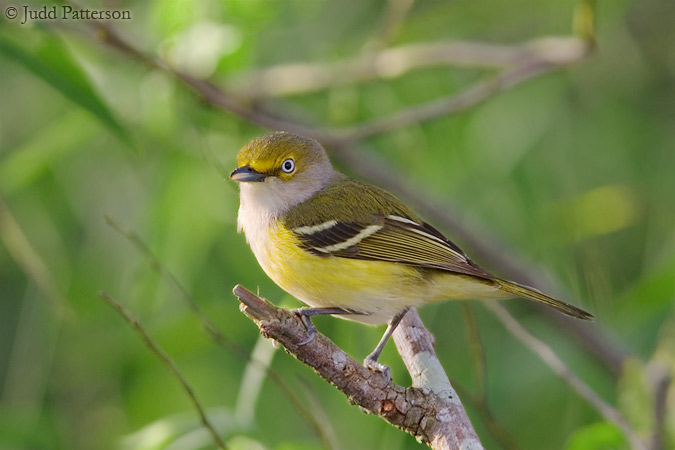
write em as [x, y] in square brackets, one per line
[288, 166]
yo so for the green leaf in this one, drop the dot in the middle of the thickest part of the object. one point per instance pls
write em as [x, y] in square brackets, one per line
[597, 436]
[51, 61]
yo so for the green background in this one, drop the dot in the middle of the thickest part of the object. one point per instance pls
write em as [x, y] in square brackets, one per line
[572, 172]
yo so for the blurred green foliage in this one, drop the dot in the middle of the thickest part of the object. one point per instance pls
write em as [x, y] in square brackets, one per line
[573, 169]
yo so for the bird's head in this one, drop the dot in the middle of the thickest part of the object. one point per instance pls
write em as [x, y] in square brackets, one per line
[287, 168]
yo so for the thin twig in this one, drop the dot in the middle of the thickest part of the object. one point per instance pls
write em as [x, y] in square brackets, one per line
[168, 276]
[430, 410]
[301, 78]
[453, 104]
[548, 356]
[216, 334]
[170, 364]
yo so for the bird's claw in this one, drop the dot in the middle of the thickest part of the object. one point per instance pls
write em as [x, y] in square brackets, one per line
[375, 366]
[309, 326]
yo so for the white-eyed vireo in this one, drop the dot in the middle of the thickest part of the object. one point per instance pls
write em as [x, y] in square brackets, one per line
[349, 248]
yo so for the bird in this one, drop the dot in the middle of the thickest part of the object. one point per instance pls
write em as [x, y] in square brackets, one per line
[351, 249]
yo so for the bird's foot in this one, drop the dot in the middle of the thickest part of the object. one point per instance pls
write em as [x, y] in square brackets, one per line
[305, 313]
[372, 364]
[304, 316]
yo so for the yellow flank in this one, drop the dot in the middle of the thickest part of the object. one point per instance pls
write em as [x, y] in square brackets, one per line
[379, 289]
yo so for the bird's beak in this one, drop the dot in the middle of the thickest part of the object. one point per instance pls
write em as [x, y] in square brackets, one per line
[247, 173]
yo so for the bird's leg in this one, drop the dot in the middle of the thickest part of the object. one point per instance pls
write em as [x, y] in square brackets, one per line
[371, 360]
[305, 313]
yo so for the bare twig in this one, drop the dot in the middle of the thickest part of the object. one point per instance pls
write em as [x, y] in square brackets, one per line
[300, 78]
[430, 410]
[219, 336]
[449, 105]
[163, 272]
[548, 356]
[170, 364]
[217, 97]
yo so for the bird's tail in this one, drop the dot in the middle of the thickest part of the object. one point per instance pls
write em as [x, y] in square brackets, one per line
[532, 294]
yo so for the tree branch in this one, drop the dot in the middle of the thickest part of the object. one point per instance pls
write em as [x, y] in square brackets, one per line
[430, 410]
[301, 78]
[453, 104]
[548, 356]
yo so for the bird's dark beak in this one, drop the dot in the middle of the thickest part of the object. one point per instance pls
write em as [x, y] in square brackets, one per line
[247, 173]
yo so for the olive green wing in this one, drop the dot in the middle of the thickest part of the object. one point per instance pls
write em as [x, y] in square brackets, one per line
[359, 221]
[391, 238]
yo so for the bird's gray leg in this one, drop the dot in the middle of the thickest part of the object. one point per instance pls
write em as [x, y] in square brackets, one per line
[305, 313]
[371, 360]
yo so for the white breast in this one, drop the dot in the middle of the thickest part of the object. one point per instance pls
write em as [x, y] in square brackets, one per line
[257, 213]
[263, 203]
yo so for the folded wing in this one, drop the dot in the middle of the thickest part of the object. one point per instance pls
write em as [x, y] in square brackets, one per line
[393, 238]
